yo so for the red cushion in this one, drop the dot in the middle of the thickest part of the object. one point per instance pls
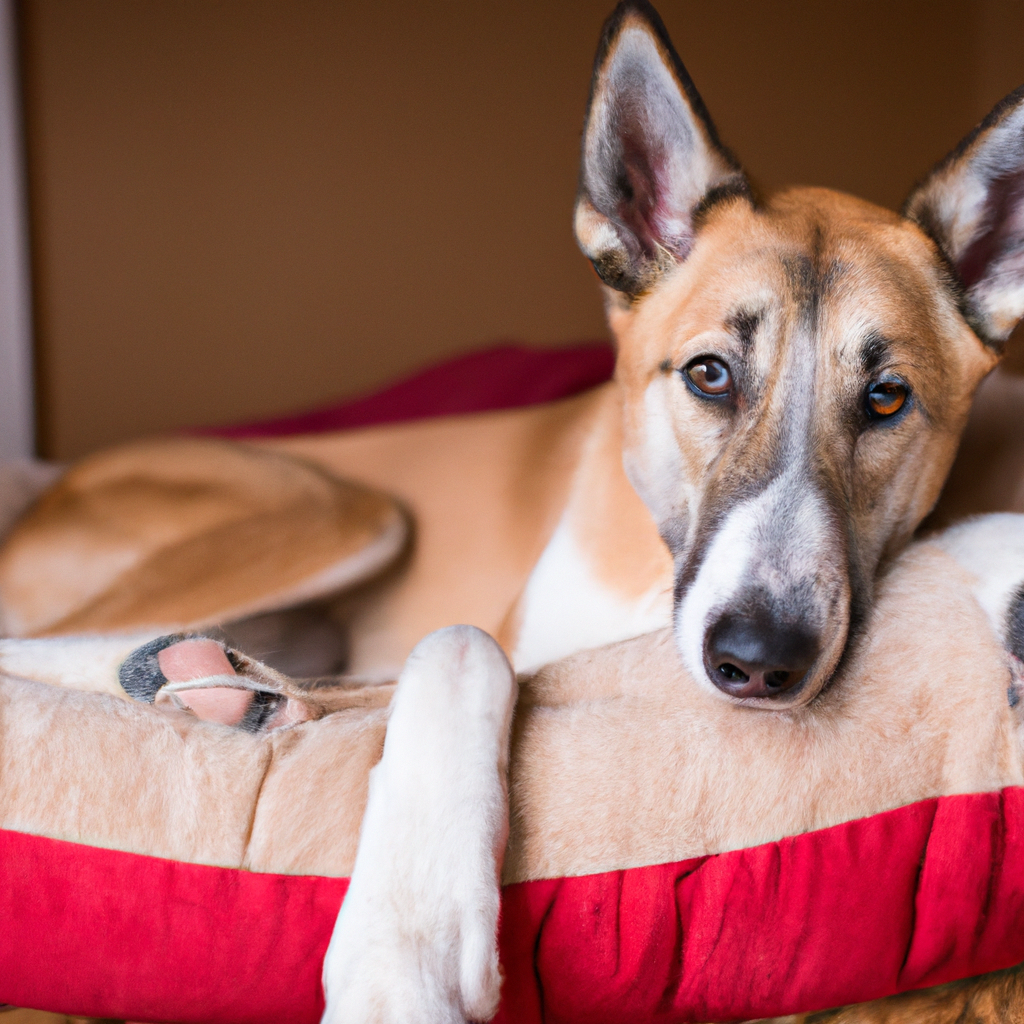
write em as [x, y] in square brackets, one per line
[905, 899]
[506, 377]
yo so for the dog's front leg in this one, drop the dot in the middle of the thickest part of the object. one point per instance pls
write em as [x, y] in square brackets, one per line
[415, 941]
[90, 663]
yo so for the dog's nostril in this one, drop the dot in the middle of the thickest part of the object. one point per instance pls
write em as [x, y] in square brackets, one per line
[733, 673]
[777, 679]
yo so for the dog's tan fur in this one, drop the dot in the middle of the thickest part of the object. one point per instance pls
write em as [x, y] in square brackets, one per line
[482, 521]
[184, 534]
[485, 493]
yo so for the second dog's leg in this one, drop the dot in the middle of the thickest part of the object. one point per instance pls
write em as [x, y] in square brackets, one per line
[415, 942]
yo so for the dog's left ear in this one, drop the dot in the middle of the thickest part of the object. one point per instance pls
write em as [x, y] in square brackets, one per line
[972, 205]
[650, 154]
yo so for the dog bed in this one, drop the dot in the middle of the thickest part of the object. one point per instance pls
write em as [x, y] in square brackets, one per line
[914, 896]
[910, 897]
[906, 899]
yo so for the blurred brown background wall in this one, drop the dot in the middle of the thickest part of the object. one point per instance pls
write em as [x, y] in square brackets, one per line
[247, 207]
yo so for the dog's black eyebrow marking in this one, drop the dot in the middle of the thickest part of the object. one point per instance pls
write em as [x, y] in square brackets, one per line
[807, 282]
[744, 324]
[810, 278]
[720, 194]
[874, 352]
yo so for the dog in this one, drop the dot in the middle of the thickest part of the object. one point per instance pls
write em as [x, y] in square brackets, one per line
[794, 374]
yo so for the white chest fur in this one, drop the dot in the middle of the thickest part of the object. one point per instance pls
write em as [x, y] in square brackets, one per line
[565, 607]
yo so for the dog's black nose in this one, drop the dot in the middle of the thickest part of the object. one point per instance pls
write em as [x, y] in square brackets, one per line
[754, 654]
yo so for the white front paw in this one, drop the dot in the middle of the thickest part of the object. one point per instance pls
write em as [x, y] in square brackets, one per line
[415, 942]
[379, 983]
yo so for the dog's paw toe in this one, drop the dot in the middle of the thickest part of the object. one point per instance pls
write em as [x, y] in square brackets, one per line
[140, 675]
[415, 941]
[442, 970]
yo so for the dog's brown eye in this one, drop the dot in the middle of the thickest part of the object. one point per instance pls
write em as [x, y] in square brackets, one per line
[886, 398]
[709, 376]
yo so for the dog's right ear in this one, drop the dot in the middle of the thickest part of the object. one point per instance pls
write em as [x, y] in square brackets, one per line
[651, 155]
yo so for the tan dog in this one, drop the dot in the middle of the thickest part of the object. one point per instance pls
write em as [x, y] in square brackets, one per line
[794, 374]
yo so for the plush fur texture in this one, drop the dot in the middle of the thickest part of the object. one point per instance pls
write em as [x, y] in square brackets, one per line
[629, 704]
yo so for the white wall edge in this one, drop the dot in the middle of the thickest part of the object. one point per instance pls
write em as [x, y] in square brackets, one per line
[17, 427]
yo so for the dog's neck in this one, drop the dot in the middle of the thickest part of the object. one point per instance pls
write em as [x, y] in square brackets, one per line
[605, 574]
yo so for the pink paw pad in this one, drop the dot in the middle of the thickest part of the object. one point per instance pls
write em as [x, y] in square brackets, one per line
[198, 659]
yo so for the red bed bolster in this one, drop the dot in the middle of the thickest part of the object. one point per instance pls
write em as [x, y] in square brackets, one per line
[905, 899]
[504, 377]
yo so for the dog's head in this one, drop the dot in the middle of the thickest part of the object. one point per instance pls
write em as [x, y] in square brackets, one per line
[795, 372]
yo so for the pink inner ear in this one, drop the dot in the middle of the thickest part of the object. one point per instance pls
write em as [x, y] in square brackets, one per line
[645, 208]
[1001, 229]
[218, 703]
[194, 659]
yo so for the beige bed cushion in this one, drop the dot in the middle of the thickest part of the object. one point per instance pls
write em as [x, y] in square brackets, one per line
[618, 758]
[188, 533]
